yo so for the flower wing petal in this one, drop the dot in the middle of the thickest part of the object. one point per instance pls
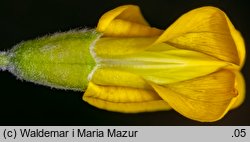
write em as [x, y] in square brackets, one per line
[241, 88]
[206, 98]
[125, 21]
[124, 99]
[207, 30]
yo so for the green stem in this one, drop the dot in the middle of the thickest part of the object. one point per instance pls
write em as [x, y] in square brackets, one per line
[4, 60]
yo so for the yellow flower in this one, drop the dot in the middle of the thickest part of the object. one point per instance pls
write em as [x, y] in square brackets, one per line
[192, 67]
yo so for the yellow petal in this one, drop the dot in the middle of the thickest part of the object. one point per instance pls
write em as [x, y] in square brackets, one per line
[109, 47]
[163, 67]
[206, 30]
[113, 77]
[126, 21]
[240, 87]
[206, 98]
[239, 44]
[124, 99]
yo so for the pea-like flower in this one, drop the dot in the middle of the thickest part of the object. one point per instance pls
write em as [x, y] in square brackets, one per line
[127, 66]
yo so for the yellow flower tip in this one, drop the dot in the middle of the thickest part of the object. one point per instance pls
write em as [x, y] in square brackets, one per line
[125, 21]
[192, 67]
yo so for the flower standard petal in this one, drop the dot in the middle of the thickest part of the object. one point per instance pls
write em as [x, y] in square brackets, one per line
[240, 45]
[206, 30]
[238, 40]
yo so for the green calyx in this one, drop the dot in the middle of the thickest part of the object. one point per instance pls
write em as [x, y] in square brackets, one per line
[62, 60]
[4, 60]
